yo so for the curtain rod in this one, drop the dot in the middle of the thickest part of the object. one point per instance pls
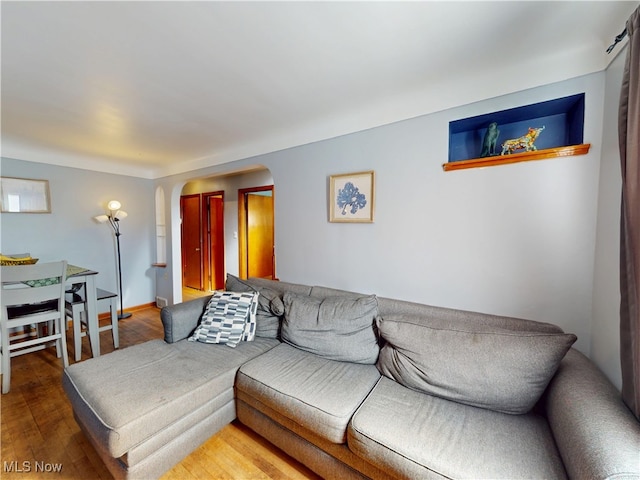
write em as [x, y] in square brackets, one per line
[617, 40]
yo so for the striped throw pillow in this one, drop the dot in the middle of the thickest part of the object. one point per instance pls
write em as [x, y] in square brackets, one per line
[229, 318]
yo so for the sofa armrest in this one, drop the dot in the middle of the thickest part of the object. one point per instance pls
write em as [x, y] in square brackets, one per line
[597, 435]
[181, 319]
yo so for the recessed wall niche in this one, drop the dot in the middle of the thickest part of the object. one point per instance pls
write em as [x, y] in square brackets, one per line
[563, 134]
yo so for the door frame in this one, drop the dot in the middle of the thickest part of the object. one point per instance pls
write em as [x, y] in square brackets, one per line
[242, 227]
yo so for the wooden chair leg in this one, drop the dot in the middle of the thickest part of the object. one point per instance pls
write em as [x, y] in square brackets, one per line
[53, 327]
[114, 322]
[61, 343]
[87, 332]
[5, 362]
[77, 333]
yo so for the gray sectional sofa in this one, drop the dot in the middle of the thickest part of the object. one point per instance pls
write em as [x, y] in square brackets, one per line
[356, 386]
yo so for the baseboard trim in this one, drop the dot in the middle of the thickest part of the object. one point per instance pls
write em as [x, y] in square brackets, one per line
[107, 315]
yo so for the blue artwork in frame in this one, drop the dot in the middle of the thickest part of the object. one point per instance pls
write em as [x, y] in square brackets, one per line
[351, 197]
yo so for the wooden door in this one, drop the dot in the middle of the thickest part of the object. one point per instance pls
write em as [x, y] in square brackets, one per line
[214, 267]
[259, 235]
[191, 241]
[256, 232]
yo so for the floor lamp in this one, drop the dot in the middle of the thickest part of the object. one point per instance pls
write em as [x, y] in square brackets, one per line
[114, 217]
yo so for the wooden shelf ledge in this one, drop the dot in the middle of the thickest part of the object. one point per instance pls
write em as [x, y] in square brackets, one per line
[568, 151]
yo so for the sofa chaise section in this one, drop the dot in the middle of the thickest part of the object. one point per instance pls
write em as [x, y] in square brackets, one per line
[148, 406]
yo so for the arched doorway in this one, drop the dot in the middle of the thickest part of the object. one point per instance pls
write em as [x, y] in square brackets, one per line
[229, 183]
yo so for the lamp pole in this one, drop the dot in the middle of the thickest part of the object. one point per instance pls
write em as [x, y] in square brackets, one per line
[115, 214]
[115, 223]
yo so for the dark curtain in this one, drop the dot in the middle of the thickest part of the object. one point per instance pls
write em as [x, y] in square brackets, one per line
[629, 138]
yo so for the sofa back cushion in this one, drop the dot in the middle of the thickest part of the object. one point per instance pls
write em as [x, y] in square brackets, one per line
[500, 368]
[337, 328]
[320, 291]
[270, 306]
[427, 314]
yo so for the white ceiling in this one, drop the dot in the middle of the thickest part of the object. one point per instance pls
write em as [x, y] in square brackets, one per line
[154, 88]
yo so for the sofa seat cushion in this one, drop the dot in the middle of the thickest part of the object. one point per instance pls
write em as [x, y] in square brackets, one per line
[411, 434]
[318, 394]
[127, 396]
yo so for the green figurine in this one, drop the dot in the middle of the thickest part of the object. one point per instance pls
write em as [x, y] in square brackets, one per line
[490, 140]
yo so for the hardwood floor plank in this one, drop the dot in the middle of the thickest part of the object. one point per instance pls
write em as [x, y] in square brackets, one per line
[37, 424]
[260, 452]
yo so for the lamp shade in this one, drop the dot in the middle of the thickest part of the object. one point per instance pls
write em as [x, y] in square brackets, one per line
[101, 218]
[114, 205]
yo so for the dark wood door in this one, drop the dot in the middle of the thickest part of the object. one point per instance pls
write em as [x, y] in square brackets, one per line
[260, 254]
[191, 241]
[215, 234]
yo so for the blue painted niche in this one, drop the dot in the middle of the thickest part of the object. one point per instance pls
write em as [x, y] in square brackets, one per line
[563, 119]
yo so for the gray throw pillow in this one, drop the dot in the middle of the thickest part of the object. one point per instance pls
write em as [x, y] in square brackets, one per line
[270, 306]
[337, 328]
[497, 368]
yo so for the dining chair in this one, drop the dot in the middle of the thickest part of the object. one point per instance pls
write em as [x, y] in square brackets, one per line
[32, 295]
[76, 309]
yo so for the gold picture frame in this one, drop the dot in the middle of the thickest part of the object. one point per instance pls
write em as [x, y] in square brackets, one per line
[24, 195]
[351, 197]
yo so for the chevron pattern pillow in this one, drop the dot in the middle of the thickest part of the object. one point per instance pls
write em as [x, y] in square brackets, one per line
[229, 318]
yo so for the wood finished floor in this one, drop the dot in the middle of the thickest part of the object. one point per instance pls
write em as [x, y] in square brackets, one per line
[38, 426]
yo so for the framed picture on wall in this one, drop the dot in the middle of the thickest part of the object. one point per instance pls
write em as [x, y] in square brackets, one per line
[23, 195]
[351, 197]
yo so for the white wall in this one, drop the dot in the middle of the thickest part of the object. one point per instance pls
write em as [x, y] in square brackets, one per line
[70, 233]
[605, 330]
[512, 240]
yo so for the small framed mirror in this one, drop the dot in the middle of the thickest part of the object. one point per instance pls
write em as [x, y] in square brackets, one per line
[24, 195]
